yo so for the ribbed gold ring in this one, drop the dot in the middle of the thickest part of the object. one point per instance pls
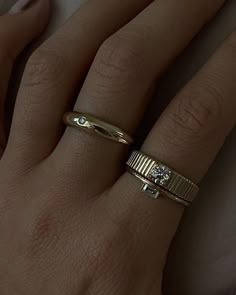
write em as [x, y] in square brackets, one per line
[95, 125]
[158, 178]
[155, 191]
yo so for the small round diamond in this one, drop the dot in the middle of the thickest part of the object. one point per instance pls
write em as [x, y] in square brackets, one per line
[82, 120]
[160, 174]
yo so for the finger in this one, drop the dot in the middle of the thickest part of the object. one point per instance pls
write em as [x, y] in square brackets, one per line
[121, 76]
[17, 28]
[189, 134]
[193, 128]
[54, 73]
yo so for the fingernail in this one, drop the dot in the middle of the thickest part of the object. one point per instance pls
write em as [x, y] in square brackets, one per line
[19, 6]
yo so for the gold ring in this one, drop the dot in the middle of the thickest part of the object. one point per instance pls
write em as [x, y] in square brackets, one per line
[158, 178]
[94, 125]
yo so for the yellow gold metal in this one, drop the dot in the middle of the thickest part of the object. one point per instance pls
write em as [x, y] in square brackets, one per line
[94, 125]
[163, 178]
[156, 191]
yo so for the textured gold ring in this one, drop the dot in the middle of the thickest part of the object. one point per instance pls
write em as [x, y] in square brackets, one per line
[95, 125]
[158, 178]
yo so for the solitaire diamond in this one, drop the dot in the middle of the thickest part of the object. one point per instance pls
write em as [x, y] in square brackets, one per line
[160, 174]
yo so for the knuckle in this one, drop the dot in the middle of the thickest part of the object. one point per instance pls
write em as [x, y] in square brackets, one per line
[117, 64]
[44, 67]
[196, 115]
[210, 102]
[119, 56]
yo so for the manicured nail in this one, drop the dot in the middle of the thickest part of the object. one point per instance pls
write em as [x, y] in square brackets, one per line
[19, 6]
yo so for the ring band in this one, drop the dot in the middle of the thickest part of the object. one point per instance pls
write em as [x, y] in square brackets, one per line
[94, 125]
[158, 178]
[154, 191]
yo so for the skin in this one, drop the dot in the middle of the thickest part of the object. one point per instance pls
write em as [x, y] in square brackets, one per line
[71, 220]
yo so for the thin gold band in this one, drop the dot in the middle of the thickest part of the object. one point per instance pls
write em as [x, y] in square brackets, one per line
[94, 125]
[155, 191]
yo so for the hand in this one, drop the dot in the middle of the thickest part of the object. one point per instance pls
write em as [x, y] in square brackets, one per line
[71, 221]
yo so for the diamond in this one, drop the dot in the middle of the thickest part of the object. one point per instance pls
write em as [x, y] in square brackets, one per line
[160, 174]
[82, 120]
[150, 190]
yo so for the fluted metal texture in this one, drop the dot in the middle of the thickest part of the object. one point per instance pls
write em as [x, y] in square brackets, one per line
[177, 185]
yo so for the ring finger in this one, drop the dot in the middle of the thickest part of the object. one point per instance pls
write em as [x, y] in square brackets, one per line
[121, 77]
[187, 137]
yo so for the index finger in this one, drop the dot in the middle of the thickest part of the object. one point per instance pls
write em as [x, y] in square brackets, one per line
[17, 29]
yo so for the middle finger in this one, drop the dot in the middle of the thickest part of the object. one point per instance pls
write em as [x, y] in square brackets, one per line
[121, 77]
[55, 71]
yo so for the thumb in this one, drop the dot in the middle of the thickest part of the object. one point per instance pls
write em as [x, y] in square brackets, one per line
[23, 22]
